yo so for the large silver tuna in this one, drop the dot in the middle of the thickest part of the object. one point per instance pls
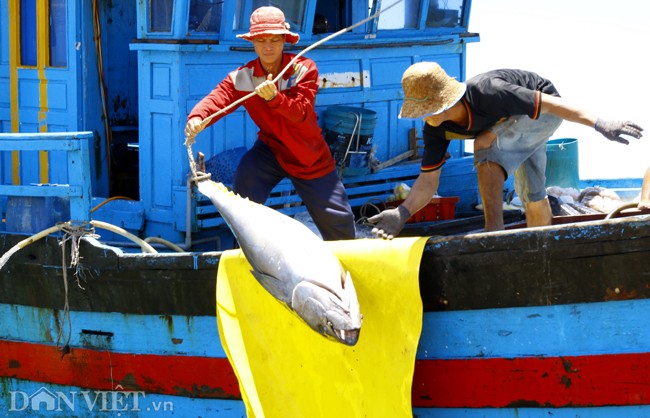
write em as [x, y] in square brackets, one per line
[292, 263]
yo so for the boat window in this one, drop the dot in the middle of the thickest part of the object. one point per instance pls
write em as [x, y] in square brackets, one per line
[294, 13]
[28, 33]
[58, 42]
[53, 13]
[329, 16]
[205, 15]
[445, 13]
[400, 16]
[160, 15]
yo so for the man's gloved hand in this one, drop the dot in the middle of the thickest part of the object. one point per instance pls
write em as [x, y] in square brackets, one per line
[390, 222]
[613, 130]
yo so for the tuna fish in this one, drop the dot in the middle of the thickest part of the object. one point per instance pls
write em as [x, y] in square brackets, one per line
[292, 263]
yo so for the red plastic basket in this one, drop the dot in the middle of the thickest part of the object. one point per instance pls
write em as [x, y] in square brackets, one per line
[440, 208]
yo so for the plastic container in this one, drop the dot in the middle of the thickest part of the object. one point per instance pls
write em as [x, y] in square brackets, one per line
[343, 119]
[349, 132]
[562, 163]
[440, 208]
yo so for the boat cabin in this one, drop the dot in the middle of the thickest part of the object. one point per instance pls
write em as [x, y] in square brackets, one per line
[130, 72]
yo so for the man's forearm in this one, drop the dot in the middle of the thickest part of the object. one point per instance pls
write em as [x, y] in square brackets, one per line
[425, 186]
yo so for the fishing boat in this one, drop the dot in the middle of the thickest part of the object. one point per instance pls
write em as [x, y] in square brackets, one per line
[110, 256]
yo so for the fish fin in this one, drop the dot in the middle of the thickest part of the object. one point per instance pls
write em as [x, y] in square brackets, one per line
[274, 286]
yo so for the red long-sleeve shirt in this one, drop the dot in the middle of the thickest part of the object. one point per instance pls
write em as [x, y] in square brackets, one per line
[288, 124]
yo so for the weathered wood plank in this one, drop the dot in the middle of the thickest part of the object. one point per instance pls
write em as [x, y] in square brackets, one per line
[541, 266]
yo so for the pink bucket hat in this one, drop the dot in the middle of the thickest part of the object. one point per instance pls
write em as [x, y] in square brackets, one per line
[269, 20]
[428, 90]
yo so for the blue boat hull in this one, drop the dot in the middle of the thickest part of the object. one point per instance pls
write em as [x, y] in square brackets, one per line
[501, 353]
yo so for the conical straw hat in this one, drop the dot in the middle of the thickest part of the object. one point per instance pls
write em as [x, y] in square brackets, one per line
[428, 90]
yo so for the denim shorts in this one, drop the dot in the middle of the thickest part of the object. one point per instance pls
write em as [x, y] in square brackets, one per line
[520, 148]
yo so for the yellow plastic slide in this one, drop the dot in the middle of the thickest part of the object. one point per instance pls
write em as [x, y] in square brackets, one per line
[287, 370]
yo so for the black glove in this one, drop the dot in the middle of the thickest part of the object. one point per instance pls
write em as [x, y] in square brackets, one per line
[390, 222]
[613, 130]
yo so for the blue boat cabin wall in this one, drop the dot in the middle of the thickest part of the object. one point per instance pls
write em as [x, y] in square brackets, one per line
[160, 57]
[50, 77]
[178, 64]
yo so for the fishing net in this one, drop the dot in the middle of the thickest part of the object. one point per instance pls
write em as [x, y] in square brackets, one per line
[222, 166]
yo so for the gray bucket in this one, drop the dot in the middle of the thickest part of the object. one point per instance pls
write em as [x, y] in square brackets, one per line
[349, 132]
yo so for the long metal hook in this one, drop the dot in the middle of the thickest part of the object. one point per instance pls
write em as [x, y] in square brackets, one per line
[207, 120]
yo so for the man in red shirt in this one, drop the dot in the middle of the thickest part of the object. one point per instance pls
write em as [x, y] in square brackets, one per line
[290, 142]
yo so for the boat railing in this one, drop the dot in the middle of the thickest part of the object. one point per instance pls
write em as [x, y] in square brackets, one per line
[365, 189]
[78, 189]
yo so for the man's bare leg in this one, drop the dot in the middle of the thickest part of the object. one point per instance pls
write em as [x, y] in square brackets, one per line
[538, 213]
[645, 191]
[490, 184]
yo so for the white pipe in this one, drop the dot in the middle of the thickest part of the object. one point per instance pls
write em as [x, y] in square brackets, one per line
[146, 248]
[188, 215]
[24, 243]
[165, 243]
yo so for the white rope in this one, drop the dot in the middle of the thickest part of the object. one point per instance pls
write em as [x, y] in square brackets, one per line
[66, 306]
[72, 233]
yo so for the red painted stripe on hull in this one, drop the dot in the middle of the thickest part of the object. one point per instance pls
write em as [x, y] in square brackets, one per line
[200, 377]
[600, 380]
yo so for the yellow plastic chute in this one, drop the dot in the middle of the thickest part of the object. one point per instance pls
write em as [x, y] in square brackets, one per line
[285, 369]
